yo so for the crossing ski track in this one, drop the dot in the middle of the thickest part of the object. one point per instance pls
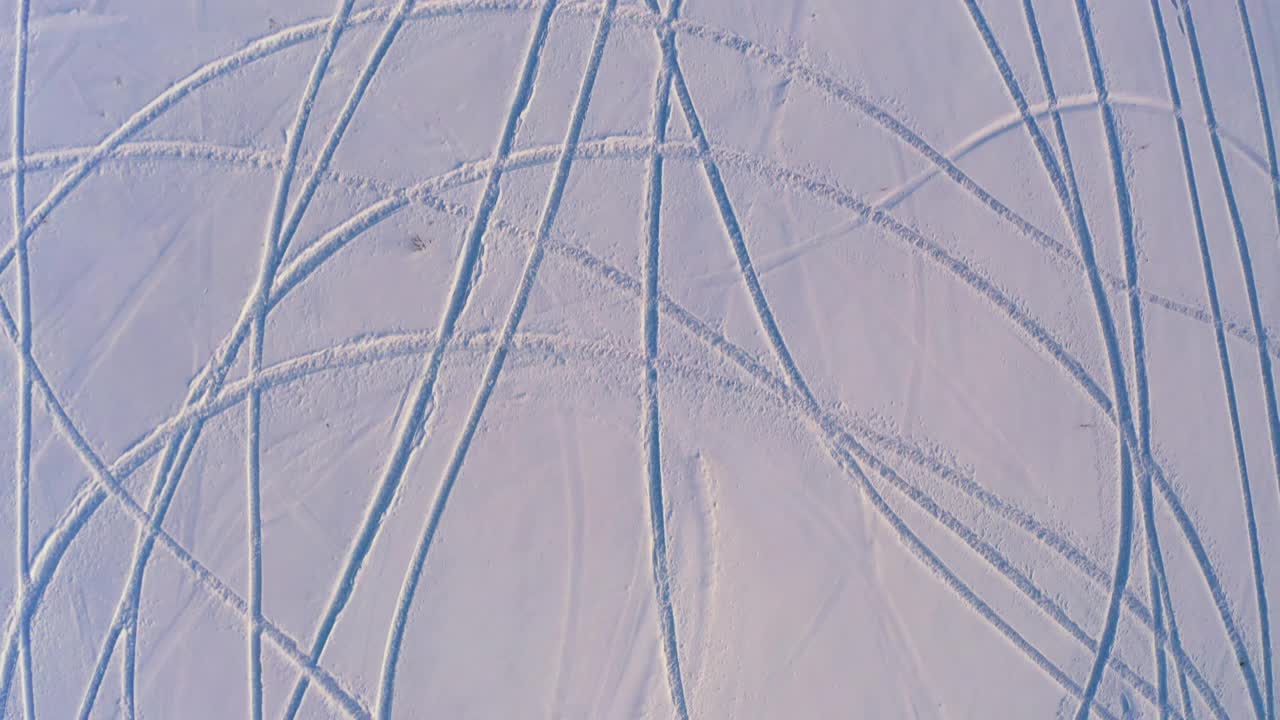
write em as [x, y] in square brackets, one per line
[938, 510]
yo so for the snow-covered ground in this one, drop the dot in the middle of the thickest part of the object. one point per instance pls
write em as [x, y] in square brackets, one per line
[640, 358]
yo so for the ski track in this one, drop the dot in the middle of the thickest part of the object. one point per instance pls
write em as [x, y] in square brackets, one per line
[210, 394]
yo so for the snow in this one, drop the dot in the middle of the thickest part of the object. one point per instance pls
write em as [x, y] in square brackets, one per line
[639, 359]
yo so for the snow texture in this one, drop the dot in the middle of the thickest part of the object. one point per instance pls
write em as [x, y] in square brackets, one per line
[640, 359]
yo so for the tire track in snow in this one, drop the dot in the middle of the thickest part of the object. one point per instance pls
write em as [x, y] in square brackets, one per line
[394, 24]
[1059, 252]
[301, 33]
[1062, 547]
[386, 692]
[22, 469]
[98, 497]
[799, 404]
[45, 562]
[158, 505]
[346, 115]
[165, 487]
[1124, 205]
[652, 417]
[1264, 362]
[672, 74]
[100, 671]
[219, 68]
[766, 317]
[258, 308]
[1036, 334]
[929, 559]
[131, 619]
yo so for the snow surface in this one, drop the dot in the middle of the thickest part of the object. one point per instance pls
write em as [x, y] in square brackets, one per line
[637, 359]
